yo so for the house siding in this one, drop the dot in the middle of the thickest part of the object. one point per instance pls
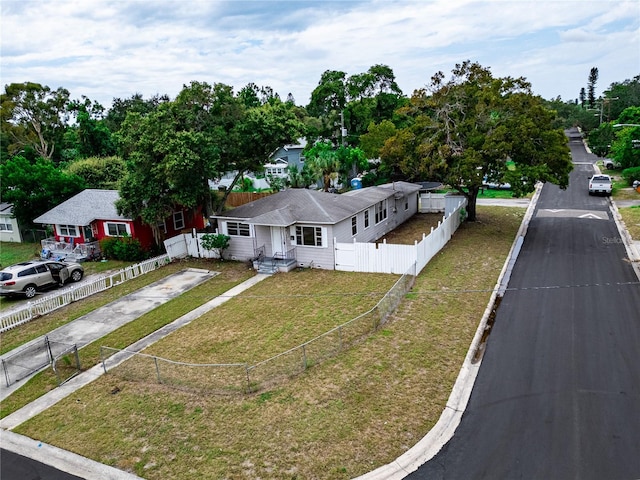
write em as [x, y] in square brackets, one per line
[12, 235]
[307, 208]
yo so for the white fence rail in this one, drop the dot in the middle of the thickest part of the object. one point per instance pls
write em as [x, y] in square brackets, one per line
[188, 245]
[392, 258]
[50, 303]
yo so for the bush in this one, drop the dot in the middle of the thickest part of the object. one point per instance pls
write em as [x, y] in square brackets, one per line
[126, 249]
[216, 242]
[631, 174]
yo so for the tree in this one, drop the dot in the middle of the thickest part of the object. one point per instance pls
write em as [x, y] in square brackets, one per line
[136, 104]
[474, 128]
[35, 187]
[170, 154]
[255, 135]
[373, 141]
[583, 96]
[98, 172]
[91, 136]
[625, 148]
[301, 178]
[322, 159]
[600, 139]
[33, 117]
[216, 242]
[626, 93]
[332, 163]
[591, 87]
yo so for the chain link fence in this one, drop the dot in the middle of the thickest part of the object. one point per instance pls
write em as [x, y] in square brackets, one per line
[241, 378]
[37, 355]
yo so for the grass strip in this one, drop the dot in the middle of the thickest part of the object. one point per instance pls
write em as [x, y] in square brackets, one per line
[231, 274]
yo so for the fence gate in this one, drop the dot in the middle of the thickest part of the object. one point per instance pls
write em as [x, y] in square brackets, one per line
[26, 361]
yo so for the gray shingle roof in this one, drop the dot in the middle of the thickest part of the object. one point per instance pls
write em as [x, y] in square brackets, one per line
[84, 208]
[298, 205]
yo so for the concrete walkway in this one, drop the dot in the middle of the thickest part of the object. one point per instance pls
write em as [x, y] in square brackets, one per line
[97, 324]
[140, 302]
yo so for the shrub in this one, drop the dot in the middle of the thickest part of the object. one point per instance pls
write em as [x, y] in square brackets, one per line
[126, 249]
[216, 242]
[631, 174]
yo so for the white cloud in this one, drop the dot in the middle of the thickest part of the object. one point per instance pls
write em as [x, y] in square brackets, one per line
[105, 49]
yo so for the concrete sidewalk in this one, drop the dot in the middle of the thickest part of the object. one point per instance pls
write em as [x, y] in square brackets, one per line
[76, 464]
[99, 323]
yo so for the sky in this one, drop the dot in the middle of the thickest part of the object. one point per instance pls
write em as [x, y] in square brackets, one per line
[106, 49]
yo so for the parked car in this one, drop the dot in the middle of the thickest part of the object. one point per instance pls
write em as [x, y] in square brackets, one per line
[611, 164]
[27, 278]
[600, 184]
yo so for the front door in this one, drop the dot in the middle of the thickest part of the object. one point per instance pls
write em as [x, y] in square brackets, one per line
[278, 241]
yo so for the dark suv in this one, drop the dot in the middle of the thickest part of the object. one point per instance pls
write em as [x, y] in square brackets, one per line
[27, 278]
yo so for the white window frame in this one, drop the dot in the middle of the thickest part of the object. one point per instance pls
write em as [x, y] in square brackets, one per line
[354, 225]
[367, 223]
[127, 229]
[319, 234]
[63, 230]
[238, 229]
[381, 211]
[162, 227]
[5, 226]
[178, 220]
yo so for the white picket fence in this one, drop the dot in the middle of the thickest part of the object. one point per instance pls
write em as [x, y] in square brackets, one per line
[48, 304]
[397, 259]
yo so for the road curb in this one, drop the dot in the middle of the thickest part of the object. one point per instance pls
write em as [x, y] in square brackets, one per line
[451, 416]
[632, 248]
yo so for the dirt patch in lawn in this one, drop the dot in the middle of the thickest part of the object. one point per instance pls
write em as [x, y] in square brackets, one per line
[413, 229]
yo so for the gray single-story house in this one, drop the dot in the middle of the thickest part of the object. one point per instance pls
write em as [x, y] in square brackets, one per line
[300, 226]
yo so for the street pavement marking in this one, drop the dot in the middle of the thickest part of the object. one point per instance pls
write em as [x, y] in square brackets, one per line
[561, 212]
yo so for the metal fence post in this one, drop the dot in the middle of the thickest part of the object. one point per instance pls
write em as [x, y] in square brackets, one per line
[48, 347]
[304, 357]
[6, 374]
[104, 365]
[155, 359]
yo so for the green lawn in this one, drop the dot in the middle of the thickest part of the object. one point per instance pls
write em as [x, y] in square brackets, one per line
[354, 412]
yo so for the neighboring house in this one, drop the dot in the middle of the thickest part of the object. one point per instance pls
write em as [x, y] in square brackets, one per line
[9, 229]
[276, 165]
[90, 216]
[301, 225]
[284, 157]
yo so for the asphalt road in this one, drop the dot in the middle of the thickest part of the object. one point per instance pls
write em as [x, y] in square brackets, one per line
[17, 467]
[557, 395]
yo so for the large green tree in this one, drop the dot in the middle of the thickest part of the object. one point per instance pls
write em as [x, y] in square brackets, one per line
[334, 164]
[348, 104]
[206, 132]
[35, 187]
[33, 117]
[473, 128]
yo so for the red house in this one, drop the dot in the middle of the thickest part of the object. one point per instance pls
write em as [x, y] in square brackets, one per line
[90, 216]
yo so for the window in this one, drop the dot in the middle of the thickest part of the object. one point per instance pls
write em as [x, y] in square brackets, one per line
[366, 219]
[310, 236]
[162, 227]
[238, 229]
[5, 227]
[354, 225]
[41, 269]
[116, 229]
[178, 220]
[381, 211]
[406, 204]
[68, 230]
[27, 272]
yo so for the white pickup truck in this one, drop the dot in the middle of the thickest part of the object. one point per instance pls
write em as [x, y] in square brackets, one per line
[600, 184]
